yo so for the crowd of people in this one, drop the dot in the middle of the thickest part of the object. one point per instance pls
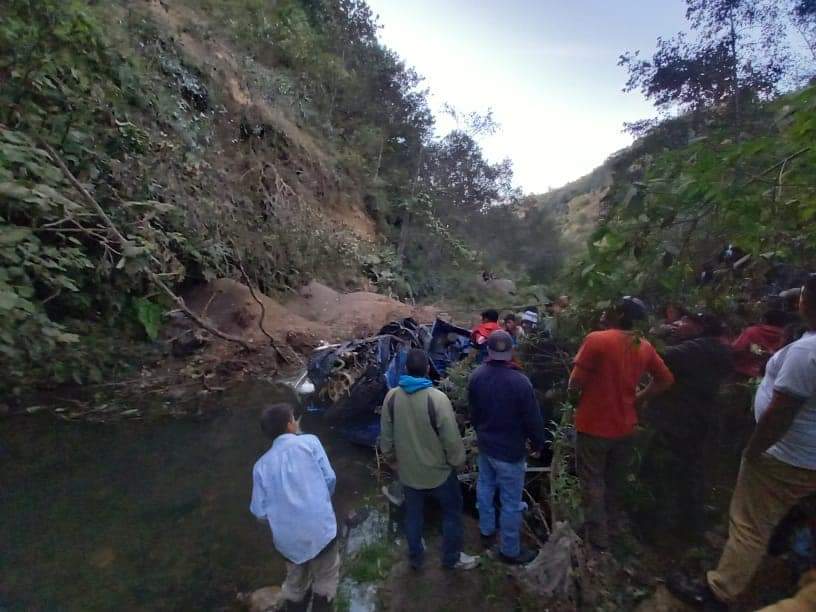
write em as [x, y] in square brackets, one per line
[618, 378]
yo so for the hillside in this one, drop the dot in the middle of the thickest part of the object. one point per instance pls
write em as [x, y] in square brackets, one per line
[148, 148]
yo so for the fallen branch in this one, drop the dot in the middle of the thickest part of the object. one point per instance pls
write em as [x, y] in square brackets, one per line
[155, 278]
[260, 303]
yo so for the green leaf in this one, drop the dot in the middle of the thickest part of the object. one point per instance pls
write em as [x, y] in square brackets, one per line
[149, 315]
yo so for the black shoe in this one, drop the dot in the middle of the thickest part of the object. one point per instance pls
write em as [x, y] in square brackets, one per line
[694, 592]
[524, 557]
[488, 541]
[322, 604]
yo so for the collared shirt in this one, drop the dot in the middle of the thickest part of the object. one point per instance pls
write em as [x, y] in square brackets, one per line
[292, 485]
[792, 371]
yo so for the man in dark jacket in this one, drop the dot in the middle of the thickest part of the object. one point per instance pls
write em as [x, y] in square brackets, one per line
[505, 414]
[684, 414]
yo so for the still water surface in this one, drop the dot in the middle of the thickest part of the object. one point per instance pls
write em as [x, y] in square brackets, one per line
[145, 516]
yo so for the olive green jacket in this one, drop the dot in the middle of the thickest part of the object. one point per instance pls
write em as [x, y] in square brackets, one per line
[419, 430]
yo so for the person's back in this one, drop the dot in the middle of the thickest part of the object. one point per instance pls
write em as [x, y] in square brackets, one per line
[757, 343]
[798, 446]
[418, 429]
[504, 411]
[699, 367]
[292, 485]
[426, 439]
[608, 368]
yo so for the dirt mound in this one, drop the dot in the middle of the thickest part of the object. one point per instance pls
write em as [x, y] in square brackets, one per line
[357, 314]
[318, 313]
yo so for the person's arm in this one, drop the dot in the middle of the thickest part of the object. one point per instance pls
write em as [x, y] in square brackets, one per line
[584, 366]
[794, 385]
[449, 432]
[662, 379]
[258, 503]
[325, 467]
[387, 432]
[532, 420]
[774, 423]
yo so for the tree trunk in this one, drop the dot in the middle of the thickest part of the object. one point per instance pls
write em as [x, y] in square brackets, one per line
[735, 78]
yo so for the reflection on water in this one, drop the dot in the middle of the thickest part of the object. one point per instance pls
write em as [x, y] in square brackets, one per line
[144, 516]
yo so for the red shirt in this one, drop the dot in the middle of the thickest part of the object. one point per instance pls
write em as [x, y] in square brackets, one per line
[608, 368]
[482, 331]
[767, 338]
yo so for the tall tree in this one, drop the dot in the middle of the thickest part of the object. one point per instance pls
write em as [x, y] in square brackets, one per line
[738, 49]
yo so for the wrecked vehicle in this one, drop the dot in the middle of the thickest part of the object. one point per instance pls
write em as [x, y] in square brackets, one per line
[351, 379]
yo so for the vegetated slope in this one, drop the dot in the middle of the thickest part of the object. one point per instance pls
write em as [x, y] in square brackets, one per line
[694, 185]
[186, 144]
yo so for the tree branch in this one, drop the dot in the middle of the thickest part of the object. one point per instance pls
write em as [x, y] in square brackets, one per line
[155, 278]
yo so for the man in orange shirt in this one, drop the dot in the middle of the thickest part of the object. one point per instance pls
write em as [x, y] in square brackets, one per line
[608, 368]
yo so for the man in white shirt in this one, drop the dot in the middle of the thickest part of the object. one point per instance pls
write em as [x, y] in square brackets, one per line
[292, 485]
[779, 465]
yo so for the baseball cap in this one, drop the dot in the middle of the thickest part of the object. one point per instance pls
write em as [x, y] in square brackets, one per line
[500, 346]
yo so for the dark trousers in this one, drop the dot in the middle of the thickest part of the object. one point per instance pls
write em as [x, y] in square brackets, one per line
[602, 468]
[449, 497]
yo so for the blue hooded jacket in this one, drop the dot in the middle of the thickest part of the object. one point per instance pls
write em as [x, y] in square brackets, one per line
[412, 384]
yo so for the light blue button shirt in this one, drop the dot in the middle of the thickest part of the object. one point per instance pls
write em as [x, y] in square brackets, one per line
[292, 485]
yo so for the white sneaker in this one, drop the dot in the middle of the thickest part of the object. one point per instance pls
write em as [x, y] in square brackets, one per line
[467, 562]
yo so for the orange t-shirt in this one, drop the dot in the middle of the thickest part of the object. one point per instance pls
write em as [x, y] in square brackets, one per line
[608, 368]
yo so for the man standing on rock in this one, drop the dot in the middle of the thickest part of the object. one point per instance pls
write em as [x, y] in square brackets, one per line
[505, 414]
[419, 432]
[778, 468]
[608, 368]
[292, 485]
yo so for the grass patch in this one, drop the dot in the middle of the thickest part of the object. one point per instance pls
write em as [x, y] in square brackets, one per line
[373, 563]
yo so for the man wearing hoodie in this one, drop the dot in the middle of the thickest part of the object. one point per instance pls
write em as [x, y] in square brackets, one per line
[419, 432]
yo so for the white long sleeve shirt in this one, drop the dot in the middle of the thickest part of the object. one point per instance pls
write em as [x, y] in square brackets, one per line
[292, 485]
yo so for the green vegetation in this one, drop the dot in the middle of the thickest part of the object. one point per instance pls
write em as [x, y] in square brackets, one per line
[373, 563]
[209, 161]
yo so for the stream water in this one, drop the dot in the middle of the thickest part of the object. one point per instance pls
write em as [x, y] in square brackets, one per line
[145, 516]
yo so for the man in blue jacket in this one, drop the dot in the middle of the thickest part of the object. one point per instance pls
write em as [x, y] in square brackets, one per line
[505, 414]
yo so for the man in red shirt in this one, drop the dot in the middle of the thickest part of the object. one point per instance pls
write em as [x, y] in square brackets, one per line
[757, 343]
[608, 368]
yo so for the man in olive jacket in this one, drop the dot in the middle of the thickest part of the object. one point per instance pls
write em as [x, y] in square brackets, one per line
[419, 433]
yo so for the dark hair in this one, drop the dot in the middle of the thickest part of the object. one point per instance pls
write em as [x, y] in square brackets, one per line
[711, 325]
[809, 288]
[491, 315]
[777, 318]
[628, 311]
[417, 363]
[510, 317]
[275, 420]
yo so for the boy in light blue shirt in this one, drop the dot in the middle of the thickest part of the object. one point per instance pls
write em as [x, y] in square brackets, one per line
[292, 487]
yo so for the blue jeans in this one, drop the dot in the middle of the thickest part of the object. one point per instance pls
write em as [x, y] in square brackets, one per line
[449, 496]
[508, 478]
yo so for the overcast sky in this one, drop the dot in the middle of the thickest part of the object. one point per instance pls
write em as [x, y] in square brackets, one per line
[548, 68]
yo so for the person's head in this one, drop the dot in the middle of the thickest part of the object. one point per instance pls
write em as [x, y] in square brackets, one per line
[416, 364]
[510, 323]
[776, 318]
[807, 301]
[500, 346]
[624, 314]
[711, 326]
[529, 319]
[490, 316]
[673, 312]
[277, 420]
